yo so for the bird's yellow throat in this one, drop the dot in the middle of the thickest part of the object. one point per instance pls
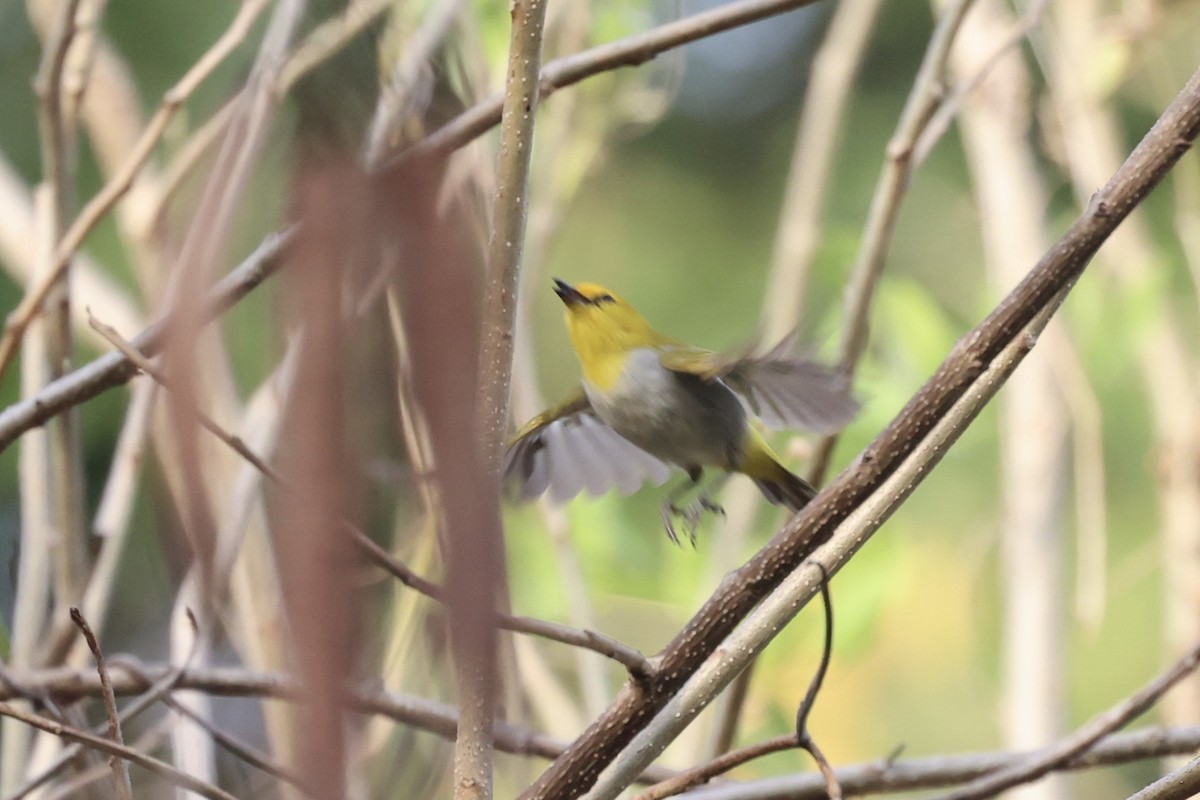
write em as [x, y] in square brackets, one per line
[604, 330]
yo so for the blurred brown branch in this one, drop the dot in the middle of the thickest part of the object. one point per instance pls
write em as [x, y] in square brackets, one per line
[633, 661]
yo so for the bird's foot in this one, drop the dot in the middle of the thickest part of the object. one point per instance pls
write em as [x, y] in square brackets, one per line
[708, 504]
[691, 515]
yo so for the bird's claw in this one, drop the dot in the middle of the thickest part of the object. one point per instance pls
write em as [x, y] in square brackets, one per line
[708, 504]
[691, 515]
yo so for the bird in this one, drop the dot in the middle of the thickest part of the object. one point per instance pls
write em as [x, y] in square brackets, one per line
[648, 402]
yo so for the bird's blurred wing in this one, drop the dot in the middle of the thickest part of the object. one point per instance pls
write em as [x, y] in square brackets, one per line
[569, 449]
[783, 391]
[793, 393]
[706, 364]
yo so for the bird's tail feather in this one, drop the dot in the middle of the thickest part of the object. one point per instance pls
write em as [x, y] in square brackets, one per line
[777, 482]
[786, 489]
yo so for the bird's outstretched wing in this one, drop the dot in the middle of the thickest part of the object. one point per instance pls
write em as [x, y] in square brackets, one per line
[783, 391]
[568, 449]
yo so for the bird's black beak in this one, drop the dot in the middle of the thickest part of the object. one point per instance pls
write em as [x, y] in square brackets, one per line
[568, 293]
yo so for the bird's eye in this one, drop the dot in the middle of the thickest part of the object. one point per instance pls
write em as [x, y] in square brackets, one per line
[604, 298]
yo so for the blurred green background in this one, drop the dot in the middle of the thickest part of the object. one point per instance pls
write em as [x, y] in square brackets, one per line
[679, 215]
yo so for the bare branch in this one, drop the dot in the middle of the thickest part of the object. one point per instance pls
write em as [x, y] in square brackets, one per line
[241, 750]
[114, 369]
[131, 677]
[1083, 739]
[637, 664]
[718, 766]
[120, 772]
[144, 364]
[161, 768]
[628, 52]
[891, 775]
[160, 689]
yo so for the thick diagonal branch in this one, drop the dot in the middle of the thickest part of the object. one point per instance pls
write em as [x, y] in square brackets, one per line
[635, 706]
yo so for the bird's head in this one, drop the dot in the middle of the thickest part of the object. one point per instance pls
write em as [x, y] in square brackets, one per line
[601, 324]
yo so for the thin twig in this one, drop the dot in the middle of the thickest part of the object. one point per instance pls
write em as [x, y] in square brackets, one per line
[719, 766]
[889, 775]
[156, 691]
[952, 104]
[120, 772]
[628, 52]
[798, 738]
[48, 84]
[884, 213]
[251, 755]
[114, 369]
[1083, 739]
[99, 743]
[803, 736]
[144, 364]
[637, 664]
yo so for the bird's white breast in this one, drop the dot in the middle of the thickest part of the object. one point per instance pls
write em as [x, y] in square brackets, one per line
[650, 406]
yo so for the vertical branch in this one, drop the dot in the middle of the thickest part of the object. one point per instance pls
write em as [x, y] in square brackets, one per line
[442, 329]
[473, 583]
[57, 134]
[120, 771]
[315, 562]
[1166, 352]
[995, 122]
[833, 71]
[509, 216]
[51, 464]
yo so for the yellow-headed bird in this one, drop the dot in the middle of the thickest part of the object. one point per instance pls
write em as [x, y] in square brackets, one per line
[648, 401]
